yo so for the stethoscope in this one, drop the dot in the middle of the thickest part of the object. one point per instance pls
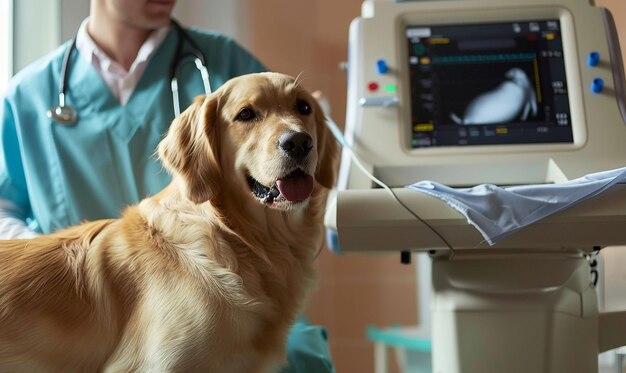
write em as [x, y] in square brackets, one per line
[65, 114]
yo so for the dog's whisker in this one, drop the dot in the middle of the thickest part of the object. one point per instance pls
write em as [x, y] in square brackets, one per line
[296, 81]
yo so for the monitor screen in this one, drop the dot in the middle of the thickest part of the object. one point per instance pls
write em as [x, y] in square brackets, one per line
[488, 84]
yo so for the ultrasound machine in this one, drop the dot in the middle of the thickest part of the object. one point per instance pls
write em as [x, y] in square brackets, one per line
[508, 93]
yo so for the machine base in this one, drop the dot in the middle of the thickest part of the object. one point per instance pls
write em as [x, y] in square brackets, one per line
[525, 312]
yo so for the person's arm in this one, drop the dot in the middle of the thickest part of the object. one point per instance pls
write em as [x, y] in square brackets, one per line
[13, 196]
[12, 225]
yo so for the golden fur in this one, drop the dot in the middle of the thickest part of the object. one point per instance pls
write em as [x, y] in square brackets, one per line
[203, 276]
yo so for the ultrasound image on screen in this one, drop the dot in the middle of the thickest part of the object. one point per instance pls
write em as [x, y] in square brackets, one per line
[514, 98]
[488, 84]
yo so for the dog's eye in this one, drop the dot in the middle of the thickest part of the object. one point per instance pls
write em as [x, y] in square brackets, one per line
[303, 107]
[246, 114]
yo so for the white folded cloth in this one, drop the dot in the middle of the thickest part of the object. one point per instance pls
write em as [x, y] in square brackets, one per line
[497, 212]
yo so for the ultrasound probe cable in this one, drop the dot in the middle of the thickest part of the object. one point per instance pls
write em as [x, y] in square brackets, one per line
[334, 129]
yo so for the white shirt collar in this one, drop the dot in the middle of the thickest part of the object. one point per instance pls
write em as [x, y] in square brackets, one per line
[120, 82]
[88, 48]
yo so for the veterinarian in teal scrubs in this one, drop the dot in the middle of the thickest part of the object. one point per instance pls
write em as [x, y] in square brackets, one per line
[54, 175]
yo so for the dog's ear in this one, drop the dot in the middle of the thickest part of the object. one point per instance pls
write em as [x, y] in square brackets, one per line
[328, 150]
[191, 148]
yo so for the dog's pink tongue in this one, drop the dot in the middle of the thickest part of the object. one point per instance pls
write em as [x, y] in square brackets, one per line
[296, 187]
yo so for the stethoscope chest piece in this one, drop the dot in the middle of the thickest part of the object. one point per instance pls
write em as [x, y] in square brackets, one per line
[65, 115]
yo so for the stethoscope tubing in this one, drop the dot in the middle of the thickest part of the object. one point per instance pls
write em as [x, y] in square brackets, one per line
[64, 114]
[198, 59]
[67, 115]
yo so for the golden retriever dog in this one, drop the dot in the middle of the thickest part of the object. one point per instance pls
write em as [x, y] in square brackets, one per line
[206, 276]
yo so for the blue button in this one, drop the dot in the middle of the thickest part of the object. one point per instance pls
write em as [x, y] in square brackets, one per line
[597, 85]
[381, 67]
[593, 59]
[332, 239]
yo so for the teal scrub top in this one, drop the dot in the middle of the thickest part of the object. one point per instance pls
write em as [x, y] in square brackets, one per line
[62, 175]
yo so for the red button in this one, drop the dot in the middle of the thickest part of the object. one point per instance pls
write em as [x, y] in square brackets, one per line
[373, 86]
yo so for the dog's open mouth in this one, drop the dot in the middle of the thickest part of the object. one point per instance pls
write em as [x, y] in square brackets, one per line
[294, 187]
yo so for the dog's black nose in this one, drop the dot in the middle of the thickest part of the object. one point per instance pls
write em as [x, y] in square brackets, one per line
[296, 144]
